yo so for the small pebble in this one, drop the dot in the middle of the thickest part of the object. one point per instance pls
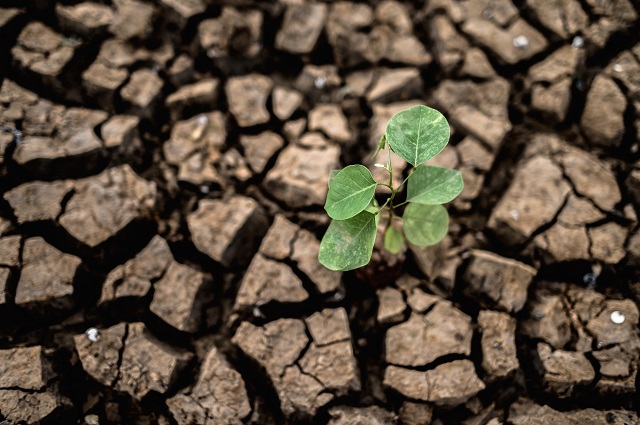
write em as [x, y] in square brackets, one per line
[577, 42]
[92, 420]
[92, 334]
[320, 82]
[204, 189]
[338, 296]
[202, 119]
[200, 127]
[617, 317]
[618, 68]
[17, 134]
[589, 279]
[521, 42]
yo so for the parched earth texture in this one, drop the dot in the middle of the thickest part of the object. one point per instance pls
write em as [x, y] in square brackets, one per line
[163, 168]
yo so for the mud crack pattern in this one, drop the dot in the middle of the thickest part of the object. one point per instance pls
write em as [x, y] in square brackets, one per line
[163, 167]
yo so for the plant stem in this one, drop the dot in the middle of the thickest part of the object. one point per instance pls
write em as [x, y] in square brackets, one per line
[391, 215]
[384, 205]
[390, 168]
[405, 180]
[385, 185]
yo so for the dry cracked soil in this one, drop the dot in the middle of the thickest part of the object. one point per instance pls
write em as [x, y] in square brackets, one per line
[163, 167]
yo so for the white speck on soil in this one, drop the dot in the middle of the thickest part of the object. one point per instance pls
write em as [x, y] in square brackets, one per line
[618, 68]
[92, 334]
[521, 42]
[577, 42]
[320, 82]
[202, 119]
[617, 317]
[338, 296]
[590, 279]
[257, 312]
[515, 215]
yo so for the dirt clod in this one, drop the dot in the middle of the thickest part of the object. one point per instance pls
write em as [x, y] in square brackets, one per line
[163, 172]
[225, 231]
[219, 395]
[502, 282]
[499, 358]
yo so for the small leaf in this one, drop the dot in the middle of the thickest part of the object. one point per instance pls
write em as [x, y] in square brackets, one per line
[350, 192]
[348, 244]
[431, 185]
[393, 240]
[373, 207]
[425, 225]
[418, 134]
[332, 175]
[381, 145]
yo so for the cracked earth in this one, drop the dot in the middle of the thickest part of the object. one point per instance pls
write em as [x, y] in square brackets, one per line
[163, 167]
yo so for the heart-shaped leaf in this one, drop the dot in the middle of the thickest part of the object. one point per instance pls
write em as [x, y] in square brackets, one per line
[393, 240]
[431, 185]
[418, 134]
[425, 225]
[350, 192]
[348, 244]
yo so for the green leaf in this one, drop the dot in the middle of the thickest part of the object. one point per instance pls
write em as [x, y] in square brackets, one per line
[431, 185]
[425, 224]
[350, 192]
[381, 145]
[393, 240]
[348, 244]
[418, 134]
[373, 207]
[332, 175]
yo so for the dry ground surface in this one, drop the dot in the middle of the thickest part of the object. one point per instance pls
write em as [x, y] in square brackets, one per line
[163, 166]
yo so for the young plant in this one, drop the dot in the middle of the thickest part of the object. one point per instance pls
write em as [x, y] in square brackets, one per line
[416, 135]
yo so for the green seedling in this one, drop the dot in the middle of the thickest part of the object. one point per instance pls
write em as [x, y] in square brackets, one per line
[416, 135]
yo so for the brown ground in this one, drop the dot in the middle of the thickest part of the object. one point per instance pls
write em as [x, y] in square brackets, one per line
[163, 167]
